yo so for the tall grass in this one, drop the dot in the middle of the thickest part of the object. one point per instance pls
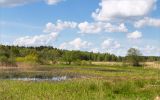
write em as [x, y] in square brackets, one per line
[98, 83]
[84, 89]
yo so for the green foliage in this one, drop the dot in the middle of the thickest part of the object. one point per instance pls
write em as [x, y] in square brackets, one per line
[20, 59]
[31, 58]
[134, 57]
[3, 59]
[78, 62]
[6, 57]
[50, 55]
[69, 57]
[84, 62]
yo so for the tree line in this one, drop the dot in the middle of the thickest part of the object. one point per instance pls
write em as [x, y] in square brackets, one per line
[11, 55]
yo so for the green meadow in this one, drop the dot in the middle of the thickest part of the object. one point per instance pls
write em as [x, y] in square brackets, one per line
[90, 82]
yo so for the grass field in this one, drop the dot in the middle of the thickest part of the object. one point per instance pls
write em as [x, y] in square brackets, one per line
[96, 82]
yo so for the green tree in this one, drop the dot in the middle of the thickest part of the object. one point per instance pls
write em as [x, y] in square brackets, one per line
[32, 58]
[6, 56]
[134, 57]
[69, 57]
[3, 60]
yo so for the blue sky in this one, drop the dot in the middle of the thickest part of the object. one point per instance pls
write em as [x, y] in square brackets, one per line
[116, 26]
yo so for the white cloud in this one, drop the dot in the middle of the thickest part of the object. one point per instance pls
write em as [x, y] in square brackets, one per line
[150, 50]
[122, 8]
[95, 50]
[110, 44]
[146, 50]
[97, 27]
[76, 44]
[117, 51]
[112, 28]
[59, 26]
[147, 22]
[92, 28]
[53, 2]
[14, 3]
[47, 39]
[37, 40]
[134, 35]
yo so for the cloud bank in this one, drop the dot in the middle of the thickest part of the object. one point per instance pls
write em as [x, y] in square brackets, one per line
[75, 44]
[147, 22]
[59, 26]
[14, 3]
[134, 35]
[97, 27]
[110, 9]
[38, 40]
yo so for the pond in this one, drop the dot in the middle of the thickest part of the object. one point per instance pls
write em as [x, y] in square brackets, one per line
[56, 78]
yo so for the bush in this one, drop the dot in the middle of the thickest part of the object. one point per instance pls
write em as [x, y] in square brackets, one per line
[20, 59]
[84, 62]
[5, 61]
[134, 57]
[29, 59]
[77, 62]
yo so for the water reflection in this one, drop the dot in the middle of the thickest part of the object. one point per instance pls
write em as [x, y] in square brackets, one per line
[57, 78]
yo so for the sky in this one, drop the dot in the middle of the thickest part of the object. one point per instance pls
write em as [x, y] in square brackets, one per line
[111, 26]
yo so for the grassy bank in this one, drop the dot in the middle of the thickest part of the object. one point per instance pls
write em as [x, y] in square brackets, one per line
[84, 89]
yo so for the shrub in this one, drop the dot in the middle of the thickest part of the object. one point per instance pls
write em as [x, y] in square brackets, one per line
[133, 57]
[29, 59]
